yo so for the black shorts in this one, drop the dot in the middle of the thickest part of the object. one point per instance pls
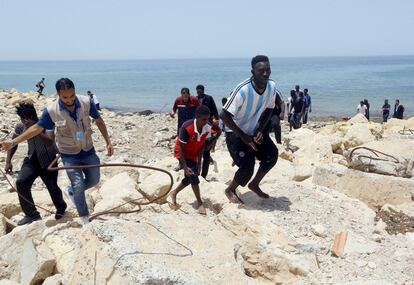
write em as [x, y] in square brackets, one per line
[192, 179]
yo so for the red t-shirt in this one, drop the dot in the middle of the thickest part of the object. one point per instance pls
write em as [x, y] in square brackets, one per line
[193, 140]
[185, 110]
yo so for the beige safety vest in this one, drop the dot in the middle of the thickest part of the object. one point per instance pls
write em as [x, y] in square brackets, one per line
[72, 136]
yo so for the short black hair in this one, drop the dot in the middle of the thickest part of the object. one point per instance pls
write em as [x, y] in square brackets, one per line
[64, 84]
[305, 90]
[292, 92]
[202, 111]
[199, 86]
[26, 111]
[185, 90]
[259, 58]
[224, 101]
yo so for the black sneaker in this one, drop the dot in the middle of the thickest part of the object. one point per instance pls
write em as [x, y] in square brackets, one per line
[60, 213]
[27, 220]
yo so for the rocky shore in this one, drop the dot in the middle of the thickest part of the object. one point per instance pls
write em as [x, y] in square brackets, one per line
[332, 176]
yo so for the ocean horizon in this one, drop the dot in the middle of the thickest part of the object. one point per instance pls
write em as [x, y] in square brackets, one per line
[336, 84]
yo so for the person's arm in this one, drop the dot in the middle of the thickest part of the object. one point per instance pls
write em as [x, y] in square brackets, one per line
[282, 110]
[310, 104]
[10, 153]
[214, 108]
[228, 121]
[102, 128]
[267, 114]
[28, 134]
[174, 109]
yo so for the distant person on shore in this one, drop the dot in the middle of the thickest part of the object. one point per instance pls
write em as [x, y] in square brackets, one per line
[40, 85]
[70, 117]
[246, 113]
[297, 90]
[298, 110]
[385, 111]
[41, 152]
[367, 109]
[277, 116]
[398, 110]
[188, 149]
[307, 104]
[185, 105]
[208, 101]
[361, 108]
[94, 99]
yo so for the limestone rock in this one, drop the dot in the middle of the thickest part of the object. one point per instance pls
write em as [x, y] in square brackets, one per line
[3, 225]
[116, 191]
[319, 230]
[358, 134]
[155, 186]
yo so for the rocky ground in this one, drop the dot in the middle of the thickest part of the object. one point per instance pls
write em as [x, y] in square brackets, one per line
[322, 185]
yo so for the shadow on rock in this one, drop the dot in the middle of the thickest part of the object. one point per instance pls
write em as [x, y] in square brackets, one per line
[253, 202]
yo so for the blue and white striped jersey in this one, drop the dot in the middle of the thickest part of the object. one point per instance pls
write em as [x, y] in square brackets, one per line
[247, 106]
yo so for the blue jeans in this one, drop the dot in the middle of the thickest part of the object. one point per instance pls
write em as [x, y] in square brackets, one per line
[82, 179]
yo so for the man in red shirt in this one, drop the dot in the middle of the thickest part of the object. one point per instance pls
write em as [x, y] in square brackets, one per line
[185, 105]
[188, 149]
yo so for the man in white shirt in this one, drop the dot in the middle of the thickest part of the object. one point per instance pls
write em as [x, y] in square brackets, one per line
[247, 112]
[361, 108]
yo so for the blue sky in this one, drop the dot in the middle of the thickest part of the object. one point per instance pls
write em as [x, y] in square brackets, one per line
[109, 29]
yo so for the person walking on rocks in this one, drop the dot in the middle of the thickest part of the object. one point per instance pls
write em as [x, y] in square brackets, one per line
[247, 112]
[385, 111]
[40, 85]
[308, 105]
[41, 152]
[297, 110]
[277, 116]
[189, 149]
[70, 117]
[185, 105]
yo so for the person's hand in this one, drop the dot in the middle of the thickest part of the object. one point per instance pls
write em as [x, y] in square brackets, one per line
[188, 171]
[172, 115]
[8, 168]
[109, 149]
[7, 145]
[249, 141]
[282, 117]
[258, 138]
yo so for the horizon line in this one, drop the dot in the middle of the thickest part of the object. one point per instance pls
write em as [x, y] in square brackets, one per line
[201, 58]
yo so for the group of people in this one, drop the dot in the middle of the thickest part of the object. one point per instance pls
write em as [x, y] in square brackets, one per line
[299, 106]
[65, 127]
[363, 108]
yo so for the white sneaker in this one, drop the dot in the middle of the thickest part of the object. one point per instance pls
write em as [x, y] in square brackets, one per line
[69, 197]
[85, 220]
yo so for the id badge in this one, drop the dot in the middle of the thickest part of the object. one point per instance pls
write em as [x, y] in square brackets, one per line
[79, 136]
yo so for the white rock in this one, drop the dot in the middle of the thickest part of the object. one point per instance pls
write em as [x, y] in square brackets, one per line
[319, 230]
[154, 186]
[372, 265]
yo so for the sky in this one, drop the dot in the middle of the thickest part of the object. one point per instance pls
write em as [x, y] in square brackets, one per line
[156, 29]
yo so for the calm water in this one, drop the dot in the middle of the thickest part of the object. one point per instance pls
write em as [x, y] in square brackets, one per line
[335, 84]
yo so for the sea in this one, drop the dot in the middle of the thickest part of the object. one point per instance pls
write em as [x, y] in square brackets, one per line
[336, 84]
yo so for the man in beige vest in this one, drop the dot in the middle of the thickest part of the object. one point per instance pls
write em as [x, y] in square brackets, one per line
[70, 117]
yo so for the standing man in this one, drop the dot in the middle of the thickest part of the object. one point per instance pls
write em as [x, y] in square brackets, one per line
[308, 105]
[385, 111]
[94, 99]
[185, 105]
[70, 116]
[41, 152]
[40, 85]
[297, 90]
[208, 101]
[361, 108]
[366, 103]
[246, 113]
[398, 110]
[297, 109]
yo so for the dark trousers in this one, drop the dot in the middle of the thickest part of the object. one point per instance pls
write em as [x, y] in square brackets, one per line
[275, 126]
[385, 117]
[244, 156]
[208, 146]
[29, 171]
[192, 179]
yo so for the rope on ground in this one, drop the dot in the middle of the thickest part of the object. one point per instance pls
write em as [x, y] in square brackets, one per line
[406, 131]
[374, 157]
[113, 210]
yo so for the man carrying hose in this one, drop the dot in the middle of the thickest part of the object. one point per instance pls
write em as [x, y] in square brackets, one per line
[70, 116]
[41, 152]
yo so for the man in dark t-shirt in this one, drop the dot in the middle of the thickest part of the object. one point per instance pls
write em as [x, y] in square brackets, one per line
[385, 111]
[398, 110]
[208, 101]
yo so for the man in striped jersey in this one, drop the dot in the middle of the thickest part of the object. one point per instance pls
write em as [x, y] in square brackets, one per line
[247, 112]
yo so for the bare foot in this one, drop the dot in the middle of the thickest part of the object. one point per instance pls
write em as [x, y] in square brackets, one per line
[202, 210]
[233, 198]
[173, 196]
[258, 191]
